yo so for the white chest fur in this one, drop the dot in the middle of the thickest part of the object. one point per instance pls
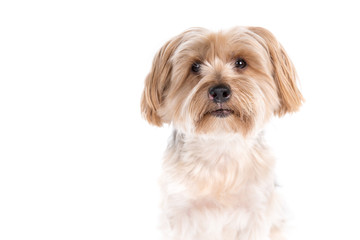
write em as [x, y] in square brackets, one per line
[218, 187]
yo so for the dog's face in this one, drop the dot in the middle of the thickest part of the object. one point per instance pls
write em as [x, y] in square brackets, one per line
[226, 82]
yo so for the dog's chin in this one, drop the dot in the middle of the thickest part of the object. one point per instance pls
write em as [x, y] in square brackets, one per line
[223, 120]
[221, 113]
[216, 122]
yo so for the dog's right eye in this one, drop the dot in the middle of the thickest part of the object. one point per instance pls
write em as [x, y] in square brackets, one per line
[195, 67]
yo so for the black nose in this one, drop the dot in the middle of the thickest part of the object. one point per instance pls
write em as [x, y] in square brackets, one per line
[219, 93]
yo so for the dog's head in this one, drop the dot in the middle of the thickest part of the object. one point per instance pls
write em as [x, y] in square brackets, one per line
[233, 81]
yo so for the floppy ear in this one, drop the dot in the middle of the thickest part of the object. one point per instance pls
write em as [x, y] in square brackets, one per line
[157, 81]
[283, 72]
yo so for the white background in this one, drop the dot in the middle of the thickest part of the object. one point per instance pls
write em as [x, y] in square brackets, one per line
[78, 162]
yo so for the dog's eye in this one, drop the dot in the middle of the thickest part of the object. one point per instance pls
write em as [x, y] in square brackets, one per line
[240, 63]
[195, 67]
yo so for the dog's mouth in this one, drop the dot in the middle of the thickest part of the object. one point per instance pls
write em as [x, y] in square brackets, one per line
[221, 113]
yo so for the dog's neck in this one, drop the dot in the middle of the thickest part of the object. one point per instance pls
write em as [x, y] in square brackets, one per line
[213, 151]
[210, 164]
[217, 144]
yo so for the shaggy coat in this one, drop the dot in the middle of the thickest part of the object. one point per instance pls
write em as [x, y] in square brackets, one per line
[218, 175]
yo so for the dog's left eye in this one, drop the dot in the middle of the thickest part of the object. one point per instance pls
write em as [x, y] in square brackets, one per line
[195, 67]
[240, 63]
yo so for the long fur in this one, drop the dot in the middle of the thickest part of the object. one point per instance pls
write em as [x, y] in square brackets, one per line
[218, 174]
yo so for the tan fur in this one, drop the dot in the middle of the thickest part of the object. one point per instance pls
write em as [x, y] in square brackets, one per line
[218, 180]
[284, 73]
[157, 81]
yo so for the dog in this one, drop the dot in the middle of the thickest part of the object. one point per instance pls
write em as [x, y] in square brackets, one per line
[218, 90]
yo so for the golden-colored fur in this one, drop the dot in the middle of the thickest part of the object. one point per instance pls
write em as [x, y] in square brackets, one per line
[218, 180]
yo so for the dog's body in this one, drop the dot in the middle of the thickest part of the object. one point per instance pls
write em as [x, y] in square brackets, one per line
[218, 90]
[219, 188]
